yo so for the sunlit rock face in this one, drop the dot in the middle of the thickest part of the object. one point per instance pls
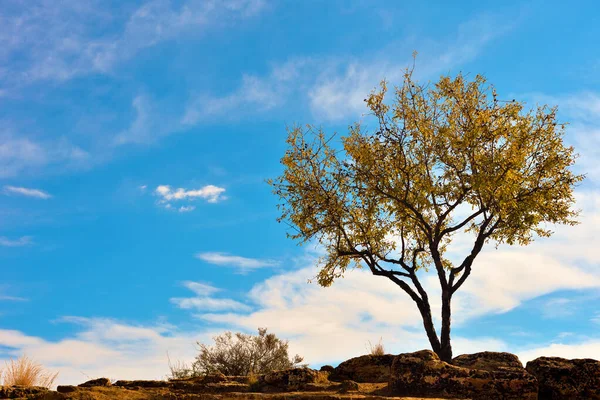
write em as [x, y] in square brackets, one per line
[559, 378]
[488, 361]
[422, 374]
[367, 368]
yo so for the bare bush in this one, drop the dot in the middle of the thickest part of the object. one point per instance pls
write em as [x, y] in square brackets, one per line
[241, 354]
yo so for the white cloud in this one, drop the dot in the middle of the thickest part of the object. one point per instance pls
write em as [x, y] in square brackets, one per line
[22, 241]
[244, 264]
[40, 194]
[210, 193]
[203, 301]
[586, 349]
[186, 208]
[105, 347]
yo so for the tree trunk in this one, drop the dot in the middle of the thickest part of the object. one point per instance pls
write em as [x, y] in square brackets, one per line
[445, 352]
[425, 310]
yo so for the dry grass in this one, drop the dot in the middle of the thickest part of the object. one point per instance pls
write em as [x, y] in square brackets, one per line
[26, 372]
[378, 349]
[322, 377]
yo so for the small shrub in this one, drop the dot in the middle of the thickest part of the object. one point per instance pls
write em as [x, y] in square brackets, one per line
[378, 349]
[322, 377]
[242, 354]
[253, 382]
[26, 372]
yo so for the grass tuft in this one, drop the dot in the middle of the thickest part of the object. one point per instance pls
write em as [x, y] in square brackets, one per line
[378, 349]
[26, 372]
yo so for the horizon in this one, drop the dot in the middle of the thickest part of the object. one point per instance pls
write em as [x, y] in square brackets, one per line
[136, 138]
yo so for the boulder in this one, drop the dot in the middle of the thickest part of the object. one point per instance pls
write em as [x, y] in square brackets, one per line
[96, 382]
[326, 368]
[560, 378]
[488, 361]
[366, 369]
[348, 386]
[66, 388]
[287, 379]
[423, 374]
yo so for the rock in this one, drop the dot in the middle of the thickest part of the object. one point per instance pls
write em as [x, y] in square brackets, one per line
[67, 388]
[560, 378]
[96, 382]
[326, 368]
[16, 392]
[287, 379]
[143, 384]
[368, 368]
[423, 374]
[214, 378]
[487, 361]
[347, 386]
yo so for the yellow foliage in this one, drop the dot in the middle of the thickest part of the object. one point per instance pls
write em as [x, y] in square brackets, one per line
[390, 197]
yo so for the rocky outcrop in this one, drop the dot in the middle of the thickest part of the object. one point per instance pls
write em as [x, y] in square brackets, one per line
[19, 392]
[488, 361]
[368, 368]
[423, 374]
[560, 378]
[287, 380]
[96, 382]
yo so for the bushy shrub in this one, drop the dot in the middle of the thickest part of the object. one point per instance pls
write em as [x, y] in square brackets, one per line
[26, 372]
[239, 354]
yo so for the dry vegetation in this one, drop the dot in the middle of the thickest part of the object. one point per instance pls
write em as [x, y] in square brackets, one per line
[26, 372]
[378, 349]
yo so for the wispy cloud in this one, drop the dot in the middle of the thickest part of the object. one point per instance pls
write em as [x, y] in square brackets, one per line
[19, 155]
[40, 194]
[59, 43]
[244, 264]
[335, 87]
[201, 288]
[204, 302]
[6, 297]
[210, 193]
[255, 93]
[22, 241]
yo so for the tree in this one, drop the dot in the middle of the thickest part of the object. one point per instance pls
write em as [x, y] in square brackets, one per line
[242, 354]
[446, 159]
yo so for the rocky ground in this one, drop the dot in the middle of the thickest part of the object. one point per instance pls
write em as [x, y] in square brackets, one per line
[418, 375]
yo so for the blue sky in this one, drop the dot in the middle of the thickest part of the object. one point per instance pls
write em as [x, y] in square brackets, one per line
[136, 137]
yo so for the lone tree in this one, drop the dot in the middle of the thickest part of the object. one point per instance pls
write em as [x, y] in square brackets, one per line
[446, 159]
